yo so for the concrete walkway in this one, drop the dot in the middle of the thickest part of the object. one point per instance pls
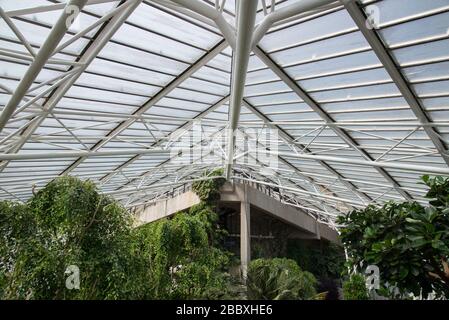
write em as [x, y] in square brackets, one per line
[242, 193]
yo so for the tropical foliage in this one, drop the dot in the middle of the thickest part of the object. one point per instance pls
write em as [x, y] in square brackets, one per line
[68, 223]
[279, 279]
[408, 242]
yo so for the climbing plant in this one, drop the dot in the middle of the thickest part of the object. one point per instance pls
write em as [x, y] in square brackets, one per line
[185, 253]
[208, 190]
[184, 263]
[408, 242]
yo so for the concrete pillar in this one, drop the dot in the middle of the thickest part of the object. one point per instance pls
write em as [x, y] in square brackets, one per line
[245, 236]
[317, 230]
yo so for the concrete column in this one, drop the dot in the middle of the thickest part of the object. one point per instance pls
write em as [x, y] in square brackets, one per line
[317, 230]
[245, 236]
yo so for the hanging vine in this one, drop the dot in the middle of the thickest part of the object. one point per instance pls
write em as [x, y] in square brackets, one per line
[186, 256]
[209, 190]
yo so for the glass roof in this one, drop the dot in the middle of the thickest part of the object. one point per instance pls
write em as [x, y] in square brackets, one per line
[356, 93]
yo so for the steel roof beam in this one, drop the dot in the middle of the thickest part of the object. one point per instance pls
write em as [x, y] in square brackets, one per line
[161, 94]
[102, 38]
[393, 70]
[74, 154]
[287, 138]
[45, 52]
[315, 107]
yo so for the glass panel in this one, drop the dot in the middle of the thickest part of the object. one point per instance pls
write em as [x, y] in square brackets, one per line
[374, 91]
[424, 53]
[214, 75]
[374, 76]
[279, 108]
[222, 62]
[156, 44]
[418, 30]
[352, 42]
[201, 85]
[168, 25]
[274, 99]
[108, 68]
[272, 87]
[394, 10]
[109, 96]
[120, 53]
[427, 72]
[117, 85]
[96, 106]
[195, 96]
[353, 62]
[432, 88]
[310, 30]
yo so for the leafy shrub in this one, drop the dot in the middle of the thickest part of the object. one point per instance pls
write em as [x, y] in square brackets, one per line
[355, 288]
[279, 279]
[325, 261]
[408, 242]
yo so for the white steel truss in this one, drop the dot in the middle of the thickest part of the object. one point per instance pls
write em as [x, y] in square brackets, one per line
[360, 106]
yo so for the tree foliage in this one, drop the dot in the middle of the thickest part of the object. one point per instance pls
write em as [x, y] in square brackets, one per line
[66, 223]
[279, 279]
[408, 242]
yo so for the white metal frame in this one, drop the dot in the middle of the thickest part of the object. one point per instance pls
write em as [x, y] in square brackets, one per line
[23, 106]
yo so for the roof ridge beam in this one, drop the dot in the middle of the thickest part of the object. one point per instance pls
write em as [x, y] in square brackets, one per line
[246, 18]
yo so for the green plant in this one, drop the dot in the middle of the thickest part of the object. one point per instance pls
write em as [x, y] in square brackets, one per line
[408, 242]
[66, 223]
[185, 257]
[279, 279]
[70, 223]
[324, 260]
[184, 261]
[355, 288]
[208, 190]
